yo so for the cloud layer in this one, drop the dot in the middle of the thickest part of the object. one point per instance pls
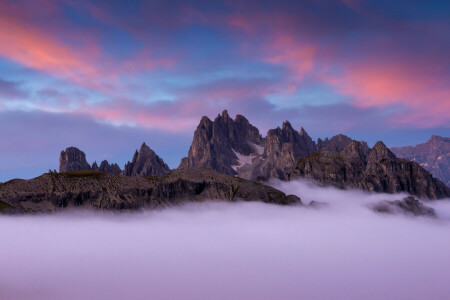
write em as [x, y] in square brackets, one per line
[230, 251]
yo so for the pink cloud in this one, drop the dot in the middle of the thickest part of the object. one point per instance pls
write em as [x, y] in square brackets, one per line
[84, 62]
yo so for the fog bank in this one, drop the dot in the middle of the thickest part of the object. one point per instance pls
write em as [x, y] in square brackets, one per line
[230, 251]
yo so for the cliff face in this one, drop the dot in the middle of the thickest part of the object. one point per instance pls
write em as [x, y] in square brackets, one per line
[283, 148]
[145, 162]
[378, 170]
[98, 190]
[73, 159]
[235, 147]
[434, 155]
[217, 144]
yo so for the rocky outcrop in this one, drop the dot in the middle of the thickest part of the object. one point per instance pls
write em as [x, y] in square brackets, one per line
[73, 159]
[378, 170]
[409, 206]
[107, 168]
[145, 162]
[98, 190]
[434, 155]
[222, 144]
[283, 148]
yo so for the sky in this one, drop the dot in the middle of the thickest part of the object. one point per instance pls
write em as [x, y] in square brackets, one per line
[106, 76]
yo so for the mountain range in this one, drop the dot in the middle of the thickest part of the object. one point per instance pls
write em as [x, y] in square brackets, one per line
[230, 159]
[433, 155]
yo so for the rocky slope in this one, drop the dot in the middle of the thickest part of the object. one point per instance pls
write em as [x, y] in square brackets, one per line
[434, 155]
[377, 169]
[220, 144]
[98, 190]
[73, 159]
[145, 162]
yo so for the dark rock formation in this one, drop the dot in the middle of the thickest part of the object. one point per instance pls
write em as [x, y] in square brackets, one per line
[73, 159]
[408, 206]
[378, 170]
[217, 144]
[145, 163]
[434, 155]
[283, 148]
[98, 190]
[107, 168]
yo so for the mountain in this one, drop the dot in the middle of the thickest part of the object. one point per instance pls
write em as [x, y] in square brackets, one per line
[98, 190]
[434, 155]
[235, 147]
[221, 144]
[283, 148]
[377, 169]
[73, 159]
[107, 168]
[145, 162]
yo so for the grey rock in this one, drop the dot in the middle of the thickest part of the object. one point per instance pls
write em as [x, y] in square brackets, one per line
[434, 155]
[379, 170]
[216, 143]
[283, 148]
[98, 190]
[145, 162]
[408, 205]
[106, 167]
[73, 159]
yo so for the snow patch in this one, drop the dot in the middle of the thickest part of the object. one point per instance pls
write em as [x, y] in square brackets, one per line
[242, 160]
[259, 149]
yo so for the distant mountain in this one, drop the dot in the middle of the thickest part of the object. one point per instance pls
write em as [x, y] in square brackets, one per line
[434, 155]
[376, 169]
[107, 168]
[97, 190]
[145, 162]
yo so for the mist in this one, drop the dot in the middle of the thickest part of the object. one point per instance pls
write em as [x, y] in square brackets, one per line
[218, 250]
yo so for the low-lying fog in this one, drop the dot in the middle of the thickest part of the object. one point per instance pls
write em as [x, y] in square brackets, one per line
[230, 251]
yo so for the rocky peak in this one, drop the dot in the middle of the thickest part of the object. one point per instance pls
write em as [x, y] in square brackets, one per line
[379, 152]
[146, 163]
[356, 151]
[94, 166]
[336, 144]
[433, 155]
[73, 159]
[377, 169]
[109, 168]
[283, 148]
[217, 143]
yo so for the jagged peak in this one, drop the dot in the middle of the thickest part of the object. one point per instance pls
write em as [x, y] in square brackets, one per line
[438, 138]
[287, 125]
[225, 114]
[380, 151]
[241, 119]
